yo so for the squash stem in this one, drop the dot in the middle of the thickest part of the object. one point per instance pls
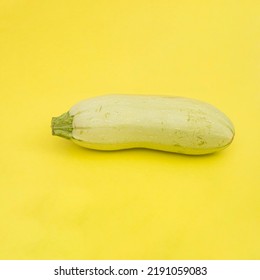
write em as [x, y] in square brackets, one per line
[62, 125]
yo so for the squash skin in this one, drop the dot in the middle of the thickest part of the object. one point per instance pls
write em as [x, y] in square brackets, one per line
[172, 124]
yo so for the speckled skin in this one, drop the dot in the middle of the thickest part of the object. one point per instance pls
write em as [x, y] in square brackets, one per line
[172, 124]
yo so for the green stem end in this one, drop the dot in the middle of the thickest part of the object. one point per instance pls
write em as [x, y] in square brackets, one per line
[62, 125]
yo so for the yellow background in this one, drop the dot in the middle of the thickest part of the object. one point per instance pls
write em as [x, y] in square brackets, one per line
[60, 201]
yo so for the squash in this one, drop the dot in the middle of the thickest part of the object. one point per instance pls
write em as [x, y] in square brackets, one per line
[166, 123]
